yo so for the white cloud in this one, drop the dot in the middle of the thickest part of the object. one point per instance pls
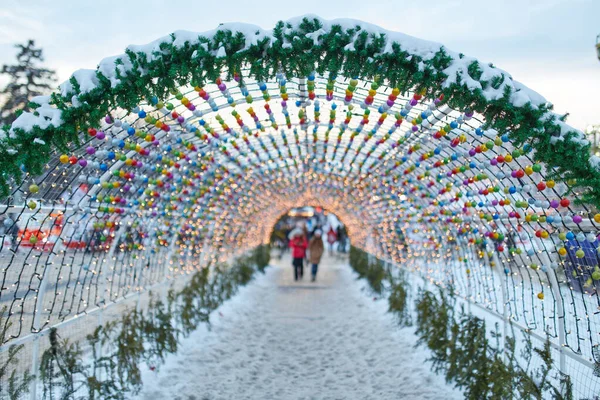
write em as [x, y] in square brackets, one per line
[572, 87]
[14, 26]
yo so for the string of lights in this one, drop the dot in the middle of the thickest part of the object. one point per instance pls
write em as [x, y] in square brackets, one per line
[154, 191]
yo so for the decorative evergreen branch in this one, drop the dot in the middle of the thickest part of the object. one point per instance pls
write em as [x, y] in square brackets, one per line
[466, 353]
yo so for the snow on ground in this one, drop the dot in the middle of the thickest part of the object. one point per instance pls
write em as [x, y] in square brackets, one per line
[280, 339]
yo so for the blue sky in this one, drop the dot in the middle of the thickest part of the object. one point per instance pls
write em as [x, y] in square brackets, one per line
[546, 44]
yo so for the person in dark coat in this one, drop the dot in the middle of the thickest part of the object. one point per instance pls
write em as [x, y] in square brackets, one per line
[13, 230]
[341, 237]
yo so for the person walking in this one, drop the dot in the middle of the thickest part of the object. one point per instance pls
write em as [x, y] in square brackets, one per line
[316, 249]
[341, 237]
[331, 239]
[307, 237]
[298, 243]
[13, 230]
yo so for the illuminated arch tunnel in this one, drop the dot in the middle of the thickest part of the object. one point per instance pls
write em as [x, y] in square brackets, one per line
[212, 136]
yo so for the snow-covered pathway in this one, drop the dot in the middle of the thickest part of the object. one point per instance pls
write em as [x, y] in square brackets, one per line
[280, 339]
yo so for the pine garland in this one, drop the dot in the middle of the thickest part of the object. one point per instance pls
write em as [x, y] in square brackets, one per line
[297, 51]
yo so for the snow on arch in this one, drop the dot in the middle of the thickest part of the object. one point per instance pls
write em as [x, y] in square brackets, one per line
[199, 131]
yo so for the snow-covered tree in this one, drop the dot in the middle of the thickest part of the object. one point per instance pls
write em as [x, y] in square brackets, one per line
[26, 80]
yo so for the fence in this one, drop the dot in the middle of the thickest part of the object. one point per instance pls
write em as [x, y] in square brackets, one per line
[81, 270]
[528, 305]
[145, 291]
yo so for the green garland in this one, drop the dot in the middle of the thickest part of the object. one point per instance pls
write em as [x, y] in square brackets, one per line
[294, 53]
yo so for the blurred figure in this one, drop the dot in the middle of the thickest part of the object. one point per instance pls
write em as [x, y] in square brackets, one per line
[305, 232]
[331, 239]
[341, 237]
[316, 249]
[287, 230]
[13, 231]
[298, 243]
[302, 225]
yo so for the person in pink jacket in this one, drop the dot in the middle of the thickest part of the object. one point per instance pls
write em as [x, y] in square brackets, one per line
[298, 243]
